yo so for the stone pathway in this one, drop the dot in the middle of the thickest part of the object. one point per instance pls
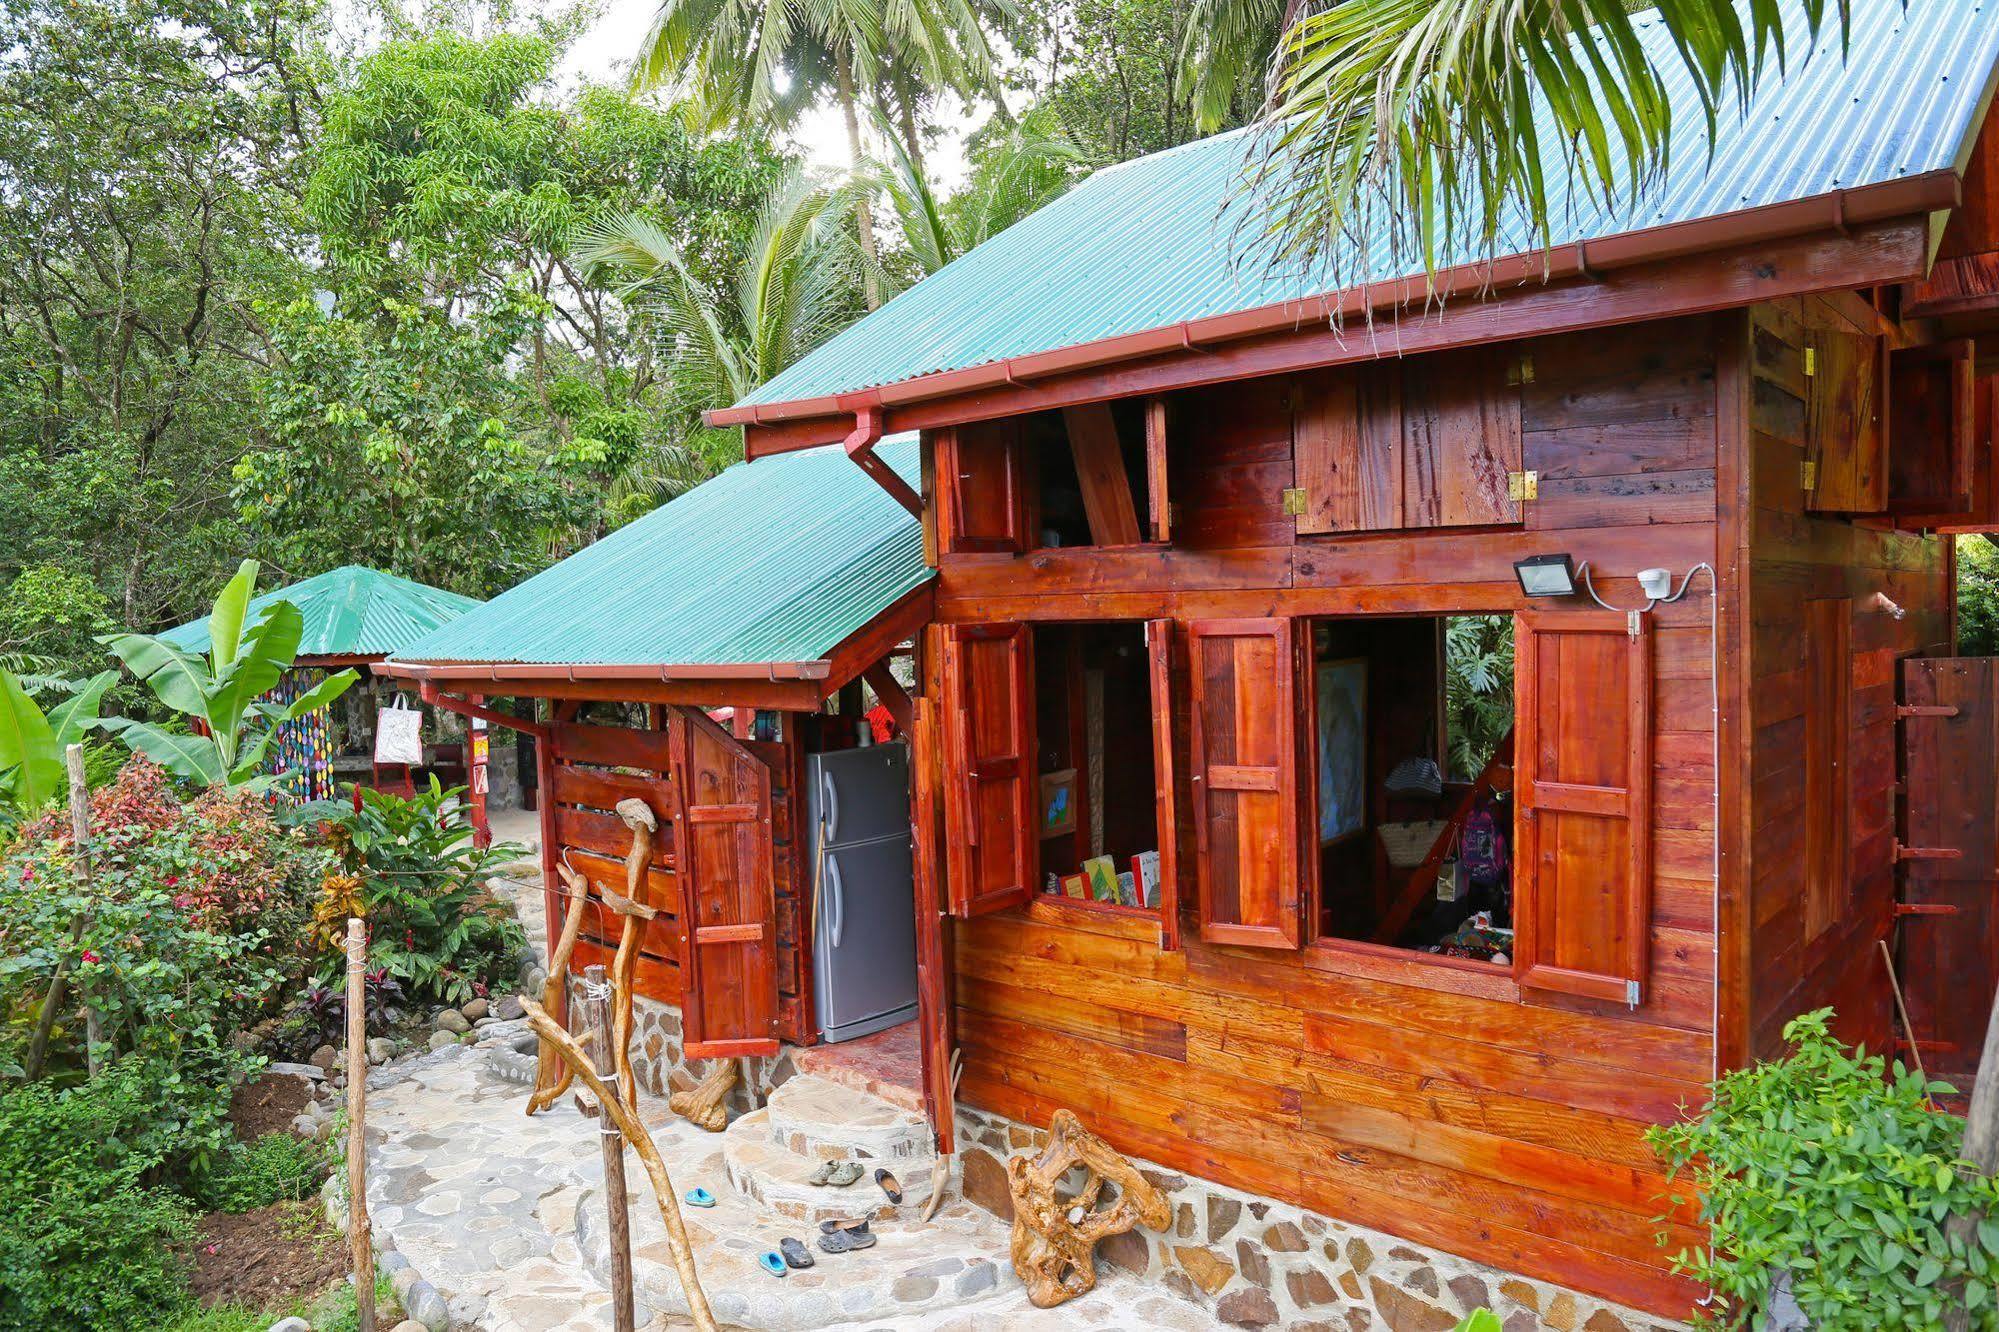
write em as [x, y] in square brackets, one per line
[487, 1204]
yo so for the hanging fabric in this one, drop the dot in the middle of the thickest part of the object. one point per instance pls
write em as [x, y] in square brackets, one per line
[301, 753]
[399, 736]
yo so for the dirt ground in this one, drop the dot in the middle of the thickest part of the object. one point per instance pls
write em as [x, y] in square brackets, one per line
[266, 1259]
[267, 1105]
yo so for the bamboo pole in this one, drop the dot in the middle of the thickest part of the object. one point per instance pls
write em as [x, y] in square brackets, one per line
[596, 1017]
[359, 1241]
[635, 1133]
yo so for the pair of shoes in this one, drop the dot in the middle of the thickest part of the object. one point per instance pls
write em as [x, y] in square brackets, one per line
[840, 1237]
[789, 1253]
[837, 1174]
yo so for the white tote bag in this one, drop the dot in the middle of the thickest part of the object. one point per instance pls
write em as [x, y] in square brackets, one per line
[399, 735]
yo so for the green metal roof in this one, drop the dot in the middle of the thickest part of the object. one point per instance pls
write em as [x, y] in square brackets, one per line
[352, 611]
[1168, 239]
[779, 560]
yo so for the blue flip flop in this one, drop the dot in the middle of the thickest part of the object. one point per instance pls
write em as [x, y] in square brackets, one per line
[773, 1262]
[699, 1197]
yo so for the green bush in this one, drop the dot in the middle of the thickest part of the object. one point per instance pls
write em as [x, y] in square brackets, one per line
[276, 1168]
[1833, 1168]
[86, 1241]
[1977, 596]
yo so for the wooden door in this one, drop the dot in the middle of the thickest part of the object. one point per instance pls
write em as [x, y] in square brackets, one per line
[1245, 781]
[1846, 426]
[1159, 646]
[728, 940]
[1949, 941]
[990, 782]
[1582, 798]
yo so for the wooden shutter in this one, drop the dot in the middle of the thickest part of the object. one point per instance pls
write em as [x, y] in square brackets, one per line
[1828, 851]
[991, 786]
[728, 941]
[1932, 429]
[1983, 514]
[979, 478]
[1582, 786]
[1159, 644]
[1846, 427]
[1347, 444]
[1245, 781]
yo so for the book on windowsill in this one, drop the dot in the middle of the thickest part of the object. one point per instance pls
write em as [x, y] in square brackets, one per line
[1145, 870]
[1102, 874]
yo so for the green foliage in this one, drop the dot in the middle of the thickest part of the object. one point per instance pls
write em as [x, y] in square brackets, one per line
[278, 1167]
[1409, 119]
[54, 615]
[421, 887]
[33, 744]
[1479, 1320]
[86, 1238]
[1977, 596]
[1835, 1168]
[1478, 690]
[223, 690]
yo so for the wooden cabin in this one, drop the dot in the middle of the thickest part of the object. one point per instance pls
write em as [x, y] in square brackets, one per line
[1208, 539]
[695, 660]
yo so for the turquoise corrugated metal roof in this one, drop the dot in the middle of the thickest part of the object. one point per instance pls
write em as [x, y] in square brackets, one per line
[352, 611]
[779, 560]
[1147, 244]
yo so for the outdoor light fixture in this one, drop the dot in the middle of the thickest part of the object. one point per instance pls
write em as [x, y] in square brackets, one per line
[1546, 576]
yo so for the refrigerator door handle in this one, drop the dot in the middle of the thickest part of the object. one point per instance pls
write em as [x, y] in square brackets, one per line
[838, 899]
[829, 806]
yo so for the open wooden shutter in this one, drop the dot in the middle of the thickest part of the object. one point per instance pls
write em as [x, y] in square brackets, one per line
[980, 487]
[1583, 786]
[1245, 781]
[1159, 643]
[1932, 428]
[1846, 424]
[728, 941]
[991, 786]
[1983, 515]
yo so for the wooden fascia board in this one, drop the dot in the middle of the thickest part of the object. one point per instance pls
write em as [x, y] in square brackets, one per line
[902, 621]
[1864, 255]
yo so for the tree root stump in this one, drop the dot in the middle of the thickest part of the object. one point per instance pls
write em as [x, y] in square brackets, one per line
[1055, 1235]
[702, 1106]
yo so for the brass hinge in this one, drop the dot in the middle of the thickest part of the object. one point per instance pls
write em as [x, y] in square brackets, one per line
[1811, 361]
[1520, 371]
[1808, 475]
[1294, 501]
[1523, 486]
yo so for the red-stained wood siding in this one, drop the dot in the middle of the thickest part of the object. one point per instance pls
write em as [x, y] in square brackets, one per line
[1810, 949]
[1427, 1100]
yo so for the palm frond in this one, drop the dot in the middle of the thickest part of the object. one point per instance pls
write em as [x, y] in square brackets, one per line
[1226, 43]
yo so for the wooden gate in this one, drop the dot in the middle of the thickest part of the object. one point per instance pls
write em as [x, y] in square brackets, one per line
[1949, 857]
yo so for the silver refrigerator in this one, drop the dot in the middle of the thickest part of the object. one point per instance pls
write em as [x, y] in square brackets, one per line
[859, 856]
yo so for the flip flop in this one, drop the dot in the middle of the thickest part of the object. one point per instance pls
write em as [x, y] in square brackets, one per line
[889, 1185]
[850, 1223]
[772, 1262]
[795, 1253]
[846, 1241]
[698, 1197]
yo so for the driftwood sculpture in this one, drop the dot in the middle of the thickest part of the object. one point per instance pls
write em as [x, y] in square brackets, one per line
[551, 1075]
[1055, 1235]
[702, 1105]
[554, 1037]
[638, 816]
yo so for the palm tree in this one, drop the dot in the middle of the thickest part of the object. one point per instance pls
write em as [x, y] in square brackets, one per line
[764, 61]
[1417, 115]
[1225, 45]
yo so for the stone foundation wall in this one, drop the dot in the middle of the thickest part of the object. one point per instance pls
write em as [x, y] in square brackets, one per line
[1257, 1264]
[661, 1064]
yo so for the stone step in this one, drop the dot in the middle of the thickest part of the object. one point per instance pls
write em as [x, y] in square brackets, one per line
[776, 1177]
[824, 1120]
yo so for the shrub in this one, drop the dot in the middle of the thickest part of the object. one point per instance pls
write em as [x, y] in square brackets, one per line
[1831, 1167]
[276, 1168]
[409, 867]
[85, 1240]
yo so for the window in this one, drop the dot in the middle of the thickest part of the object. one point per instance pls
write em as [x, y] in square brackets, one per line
[1093, 475]
[1411, 739]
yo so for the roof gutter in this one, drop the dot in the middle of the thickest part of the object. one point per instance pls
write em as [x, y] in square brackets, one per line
[583, 673]
[1839, 211]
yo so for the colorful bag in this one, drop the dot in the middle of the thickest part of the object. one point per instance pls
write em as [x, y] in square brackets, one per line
[1482, 846]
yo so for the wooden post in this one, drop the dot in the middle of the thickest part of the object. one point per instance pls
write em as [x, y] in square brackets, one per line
[596, 1017]
[359, 1241]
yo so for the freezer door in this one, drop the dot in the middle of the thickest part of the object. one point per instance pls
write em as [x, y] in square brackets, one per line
[859, 795]
[866, 939]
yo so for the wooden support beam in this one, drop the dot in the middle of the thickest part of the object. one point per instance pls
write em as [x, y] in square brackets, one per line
[891, 693]
[1155, 469]
[1100, 468]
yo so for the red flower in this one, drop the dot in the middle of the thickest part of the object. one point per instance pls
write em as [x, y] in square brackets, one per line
[89, 956]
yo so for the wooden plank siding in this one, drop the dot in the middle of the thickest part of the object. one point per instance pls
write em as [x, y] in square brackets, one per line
[595, 766]
[1813, 576]
[1427, 1100]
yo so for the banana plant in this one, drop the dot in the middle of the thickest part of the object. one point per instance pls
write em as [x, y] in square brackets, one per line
[222, 691]
[32, 772]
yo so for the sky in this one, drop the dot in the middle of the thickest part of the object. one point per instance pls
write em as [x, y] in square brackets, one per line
[821, 136]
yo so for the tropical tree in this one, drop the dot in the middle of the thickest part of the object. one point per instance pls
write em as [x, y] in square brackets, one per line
[223, 690]
[32, 743]
[764, 62]
[1415, 118]
[794, 290]
[1011, 178]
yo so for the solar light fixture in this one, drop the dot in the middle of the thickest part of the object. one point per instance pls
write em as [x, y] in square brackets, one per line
[1546, 575]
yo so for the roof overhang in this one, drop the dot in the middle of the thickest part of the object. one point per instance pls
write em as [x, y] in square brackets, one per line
[1878, 234]
[795, 686]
